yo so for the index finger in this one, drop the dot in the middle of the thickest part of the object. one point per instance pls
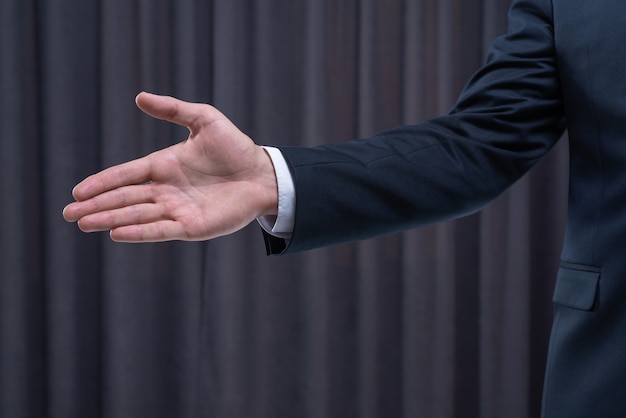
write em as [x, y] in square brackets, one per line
[132, 172]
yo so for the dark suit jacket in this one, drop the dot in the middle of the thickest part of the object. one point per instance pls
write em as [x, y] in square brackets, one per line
[561, 64]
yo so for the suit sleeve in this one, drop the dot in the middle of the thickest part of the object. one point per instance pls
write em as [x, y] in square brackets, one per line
[507, 117]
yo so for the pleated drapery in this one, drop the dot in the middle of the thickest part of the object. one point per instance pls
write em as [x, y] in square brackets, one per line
[450, 320]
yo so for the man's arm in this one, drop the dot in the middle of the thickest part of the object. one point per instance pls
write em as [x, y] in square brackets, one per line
[214, 183]
[508, 116]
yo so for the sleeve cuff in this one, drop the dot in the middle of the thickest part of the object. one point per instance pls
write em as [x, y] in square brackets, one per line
[281, 226]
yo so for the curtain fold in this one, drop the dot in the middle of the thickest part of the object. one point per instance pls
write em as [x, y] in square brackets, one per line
[451, 320]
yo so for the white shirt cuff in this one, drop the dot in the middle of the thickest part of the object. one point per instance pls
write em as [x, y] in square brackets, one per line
[281, 226]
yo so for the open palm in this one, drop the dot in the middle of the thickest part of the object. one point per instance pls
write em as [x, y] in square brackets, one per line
[212, 184]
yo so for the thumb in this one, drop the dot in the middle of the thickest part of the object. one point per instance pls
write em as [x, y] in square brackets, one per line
[191, 115]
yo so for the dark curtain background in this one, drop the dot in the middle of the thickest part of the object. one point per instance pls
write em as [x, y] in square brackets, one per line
[447, 321]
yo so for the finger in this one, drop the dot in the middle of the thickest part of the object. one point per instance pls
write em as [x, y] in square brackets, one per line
[133, 172]
[165, 230]
[113, 199]
[130, 215]
[191, 115]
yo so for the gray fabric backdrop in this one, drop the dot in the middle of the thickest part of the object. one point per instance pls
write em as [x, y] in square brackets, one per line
[448, 321]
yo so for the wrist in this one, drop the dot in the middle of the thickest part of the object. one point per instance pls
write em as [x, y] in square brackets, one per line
[268, 184]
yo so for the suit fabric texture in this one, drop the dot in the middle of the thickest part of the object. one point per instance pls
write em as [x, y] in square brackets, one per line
[561, 65]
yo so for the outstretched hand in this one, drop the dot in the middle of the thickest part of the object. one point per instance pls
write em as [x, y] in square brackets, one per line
[214, 183]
